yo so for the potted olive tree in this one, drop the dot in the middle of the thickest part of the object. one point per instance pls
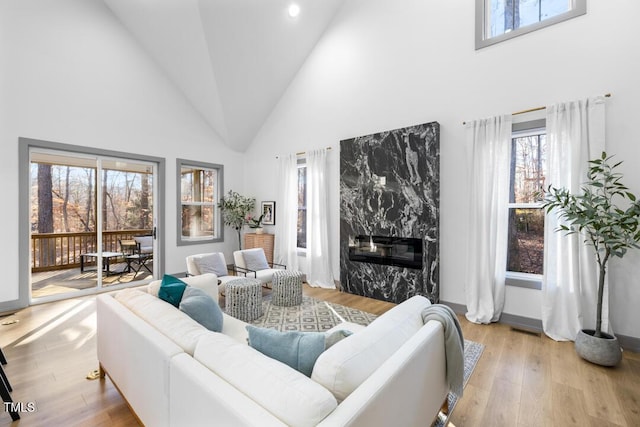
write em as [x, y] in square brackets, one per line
[611, 230]
[235, 208]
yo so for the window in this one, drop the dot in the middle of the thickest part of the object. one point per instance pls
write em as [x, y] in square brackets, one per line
[200, 187]
[526, 216]
[499, 20]
[302, 206]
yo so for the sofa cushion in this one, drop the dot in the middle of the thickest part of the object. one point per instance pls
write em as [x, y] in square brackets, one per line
[255, 259]
[171, 290]
[173, 323]
[347, 364]
[286, 393]
[207, 282]
[202, 308]
[211, 263]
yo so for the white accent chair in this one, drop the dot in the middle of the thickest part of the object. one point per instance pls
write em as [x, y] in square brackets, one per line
[213, 262]
[253, 263]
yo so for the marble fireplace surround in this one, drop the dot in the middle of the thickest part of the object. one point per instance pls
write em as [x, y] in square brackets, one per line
[390, 189]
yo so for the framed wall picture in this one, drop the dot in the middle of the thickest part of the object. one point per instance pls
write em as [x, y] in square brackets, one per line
[269, 212]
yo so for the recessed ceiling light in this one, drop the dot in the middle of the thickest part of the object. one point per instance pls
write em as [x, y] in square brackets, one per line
[294, 10]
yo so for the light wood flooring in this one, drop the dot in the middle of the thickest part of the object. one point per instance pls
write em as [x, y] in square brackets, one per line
[521, 379]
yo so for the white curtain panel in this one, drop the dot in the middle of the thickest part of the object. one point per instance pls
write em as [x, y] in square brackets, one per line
[575, 135]
[285, 251]
[318, 257]
[489, 150]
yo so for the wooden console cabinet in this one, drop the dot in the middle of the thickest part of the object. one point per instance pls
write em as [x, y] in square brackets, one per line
[264, 241]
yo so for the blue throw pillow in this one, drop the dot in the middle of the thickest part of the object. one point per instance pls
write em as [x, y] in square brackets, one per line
[296, 349]
[171, 290]
[202, 308]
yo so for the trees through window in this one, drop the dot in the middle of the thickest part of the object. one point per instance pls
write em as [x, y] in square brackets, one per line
[498, 20]
[200, 190]
[526, 216]
[302, 206]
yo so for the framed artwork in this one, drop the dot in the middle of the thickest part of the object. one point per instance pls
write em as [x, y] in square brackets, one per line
[269, 212]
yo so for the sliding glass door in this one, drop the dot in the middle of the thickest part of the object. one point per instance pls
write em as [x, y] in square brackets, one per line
[92, 223]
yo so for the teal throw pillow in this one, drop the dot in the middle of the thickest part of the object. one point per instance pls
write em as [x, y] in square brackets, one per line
[297, 349]
[202, 308]
[171, 290]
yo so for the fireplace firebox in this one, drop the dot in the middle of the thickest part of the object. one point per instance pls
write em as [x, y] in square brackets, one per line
[396, 251]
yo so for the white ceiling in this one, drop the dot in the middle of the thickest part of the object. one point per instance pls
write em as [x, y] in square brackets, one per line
[232, 59]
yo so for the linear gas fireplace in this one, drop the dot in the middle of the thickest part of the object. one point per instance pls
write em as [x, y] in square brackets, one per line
[397, 251]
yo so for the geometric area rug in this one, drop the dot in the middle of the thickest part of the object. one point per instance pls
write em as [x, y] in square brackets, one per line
[472, 353]
[311, 316]
[316, 316]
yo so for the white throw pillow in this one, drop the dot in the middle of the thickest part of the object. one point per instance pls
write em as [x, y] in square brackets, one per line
[347, 364]
[211, 263]
[254, 259]
[281, 390]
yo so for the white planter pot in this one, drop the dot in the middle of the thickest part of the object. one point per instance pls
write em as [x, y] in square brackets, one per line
[259, 230]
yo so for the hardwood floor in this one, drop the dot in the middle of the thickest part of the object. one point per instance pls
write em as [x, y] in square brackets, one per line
[520, 380]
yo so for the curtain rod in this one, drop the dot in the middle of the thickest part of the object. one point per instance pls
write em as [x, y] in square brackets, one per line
[531, 110]
[302, 153]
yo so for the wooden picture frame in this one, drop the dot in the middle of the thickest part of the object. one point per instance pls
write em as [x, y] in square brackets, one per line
[269, 211]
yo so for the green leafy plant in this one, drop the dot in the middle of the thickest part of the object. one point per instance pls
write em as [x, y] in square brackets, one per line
[610, 229]
[235, 208]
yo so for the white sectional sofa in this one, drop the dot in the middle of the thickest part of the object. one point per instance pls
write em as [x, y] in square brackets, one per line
[174, 372]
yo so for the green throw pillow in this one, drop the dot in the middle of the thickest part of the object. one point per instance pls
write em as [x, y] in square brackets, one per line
[202, 308]
[171, 290]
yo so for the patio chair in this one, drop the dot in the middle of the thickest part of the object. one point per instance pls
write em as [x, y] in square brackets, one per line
[137, 253]
[213, 262]
[253, 263]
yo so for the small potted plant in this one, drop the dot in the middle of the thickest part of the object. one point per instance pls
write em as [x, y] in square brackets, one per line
[235, 208]
[611, 230]
[255, 224]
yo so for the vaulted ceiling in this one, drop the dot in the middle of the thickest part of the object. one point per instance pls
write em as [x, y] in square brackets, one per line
[232, 59]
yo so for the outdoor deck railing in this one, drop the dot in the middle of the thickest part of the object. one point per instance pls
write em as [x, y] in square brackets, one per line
[57, 251]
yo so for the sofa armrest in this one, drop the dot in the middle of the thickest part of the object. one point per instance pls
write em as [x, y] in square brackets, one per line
[276, 265]
[407, 390]
[136, 357]
[244, 271]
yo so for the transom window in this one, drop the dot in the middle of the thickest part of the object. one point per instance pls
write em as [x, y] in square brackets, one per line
[499, 20]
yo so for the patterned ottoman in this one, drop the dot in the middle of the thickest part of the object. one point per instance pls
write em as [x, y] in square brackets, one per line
[243, 299]
[287, 288]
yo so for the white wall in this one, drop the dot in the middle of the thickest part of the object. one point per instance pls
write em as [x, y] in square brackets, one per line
[72, 74]
[386, 64]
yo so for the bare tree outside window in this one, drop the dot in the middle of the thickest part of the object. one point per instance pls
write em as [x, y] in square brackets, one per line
[526, 216]
[64, 200]
[302, 207]
[499, 20]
